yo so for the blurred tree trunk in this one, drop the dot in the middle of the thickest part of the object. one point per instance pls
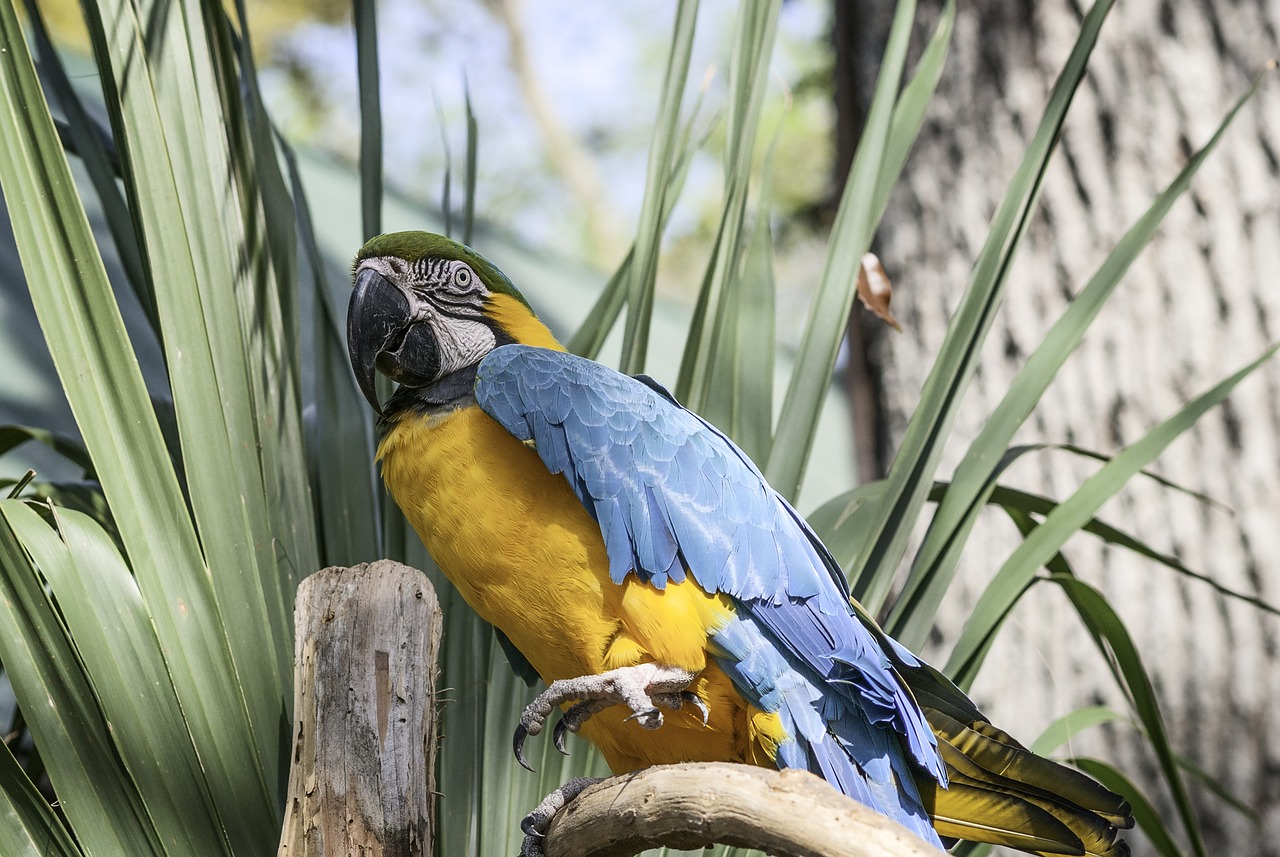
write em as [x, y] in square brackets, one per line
[858, 31]
[1201, 301]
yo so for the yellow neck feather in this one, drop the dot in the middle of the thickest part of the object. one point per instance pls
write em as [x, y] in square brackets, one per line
[519, 322]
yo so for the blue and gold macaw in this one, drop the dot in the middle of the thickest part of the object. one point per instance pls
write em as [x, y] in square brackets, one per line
[635, 558]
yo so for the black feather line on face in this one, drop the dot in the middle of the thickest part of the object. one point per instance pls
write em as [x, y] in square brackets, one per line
[413, 247]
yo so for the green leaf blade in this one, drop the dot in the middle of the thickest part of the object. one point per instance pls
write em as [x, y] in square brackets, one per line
[1070, 516]
[707, 356]
[934, 566]
[94, 789]
[366, 26]
[1144, 812]
[1066, 727]
[28, 825]
[642, 274]
[81, 321]
[112, 630]
[890, 130]
[1103, 622]
[911, 476]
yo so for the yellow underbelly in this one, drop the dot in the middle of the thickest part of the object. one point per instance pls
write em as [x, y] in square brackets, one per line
[528, 558]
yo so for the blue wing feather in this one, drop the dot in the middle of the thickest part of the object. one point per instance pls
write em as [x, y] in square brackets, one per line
[519, 663]
[671, 492]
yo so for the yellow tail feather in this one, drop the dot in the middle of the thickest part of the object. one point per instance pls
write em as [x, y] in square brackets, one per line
[1003, 793]
[966, 811]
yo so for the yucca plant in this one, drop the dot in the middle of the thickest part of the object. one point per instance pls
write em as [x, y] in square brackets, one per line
[144, 614]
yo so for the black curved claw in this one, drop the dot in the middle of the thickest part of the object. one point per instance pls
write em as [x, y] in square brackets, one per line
[517, 745]
[696, 701]
[649, 718]
[558, 733]
[529, 828]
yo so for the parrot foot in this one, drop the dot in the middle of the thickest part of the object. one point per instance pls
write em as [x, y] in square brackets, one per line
[571, 721]
[535, 823]
[642, 688]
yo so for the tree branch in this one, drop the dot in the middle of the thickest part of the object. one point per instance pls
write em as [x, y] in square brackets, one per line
[786, 814]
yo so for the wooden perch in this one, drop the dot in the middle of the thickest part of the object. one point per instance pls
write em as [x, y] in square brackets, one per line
[362, 778]
[785, 814]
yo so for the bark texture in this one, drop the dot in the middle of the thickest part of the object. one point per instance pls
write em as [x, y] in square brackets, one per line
[1202, 301]
[687, 807]
[364, 741]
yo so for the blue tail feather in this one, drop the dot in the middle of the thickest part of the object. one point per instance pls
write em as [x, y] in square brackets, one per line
[831, 731]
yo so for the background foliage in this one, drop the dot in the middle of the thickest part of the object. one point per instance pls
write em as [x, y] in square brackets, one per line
[145, 607]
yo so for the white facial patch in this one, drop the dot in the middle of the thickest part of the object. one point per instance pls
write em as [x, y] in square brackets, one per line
[462, 342]
[448, 296]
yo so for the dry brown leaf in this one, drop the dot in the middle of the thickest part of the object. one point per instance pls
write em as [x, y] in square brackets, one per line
[875, 291]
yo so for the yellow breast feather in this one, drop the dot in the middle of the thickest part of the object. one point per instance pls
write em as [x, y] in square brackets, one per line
[525, 554]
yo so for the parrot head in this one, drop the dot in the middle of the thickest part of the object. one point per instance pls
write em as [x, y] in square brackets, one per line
[425, 306]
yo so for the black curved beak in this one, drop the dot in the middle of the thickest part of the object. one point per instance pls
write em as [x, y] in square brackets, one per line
[378, 317]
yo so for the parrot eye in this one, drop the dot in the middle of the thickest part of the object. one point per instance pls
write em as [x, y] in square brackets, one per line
[462, 277]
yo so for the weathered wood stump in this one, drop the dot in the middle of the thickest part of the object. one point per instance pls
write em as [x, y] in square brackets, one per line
[364, 738]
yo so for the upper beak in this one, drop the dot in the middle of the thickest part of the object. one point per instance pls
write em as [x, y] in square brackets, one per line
[378, 317]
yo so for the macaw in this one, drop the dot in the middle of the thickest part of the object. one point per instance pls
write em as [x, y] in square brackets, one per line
[634, 559]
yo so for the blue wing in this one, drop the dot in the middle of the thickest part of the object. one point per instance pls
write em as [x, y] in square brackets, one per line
[672, 495]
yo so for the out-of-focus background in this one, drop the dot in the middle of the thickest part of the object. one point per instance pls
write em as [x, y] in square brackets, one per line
[1198, 302]
[564, 94]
